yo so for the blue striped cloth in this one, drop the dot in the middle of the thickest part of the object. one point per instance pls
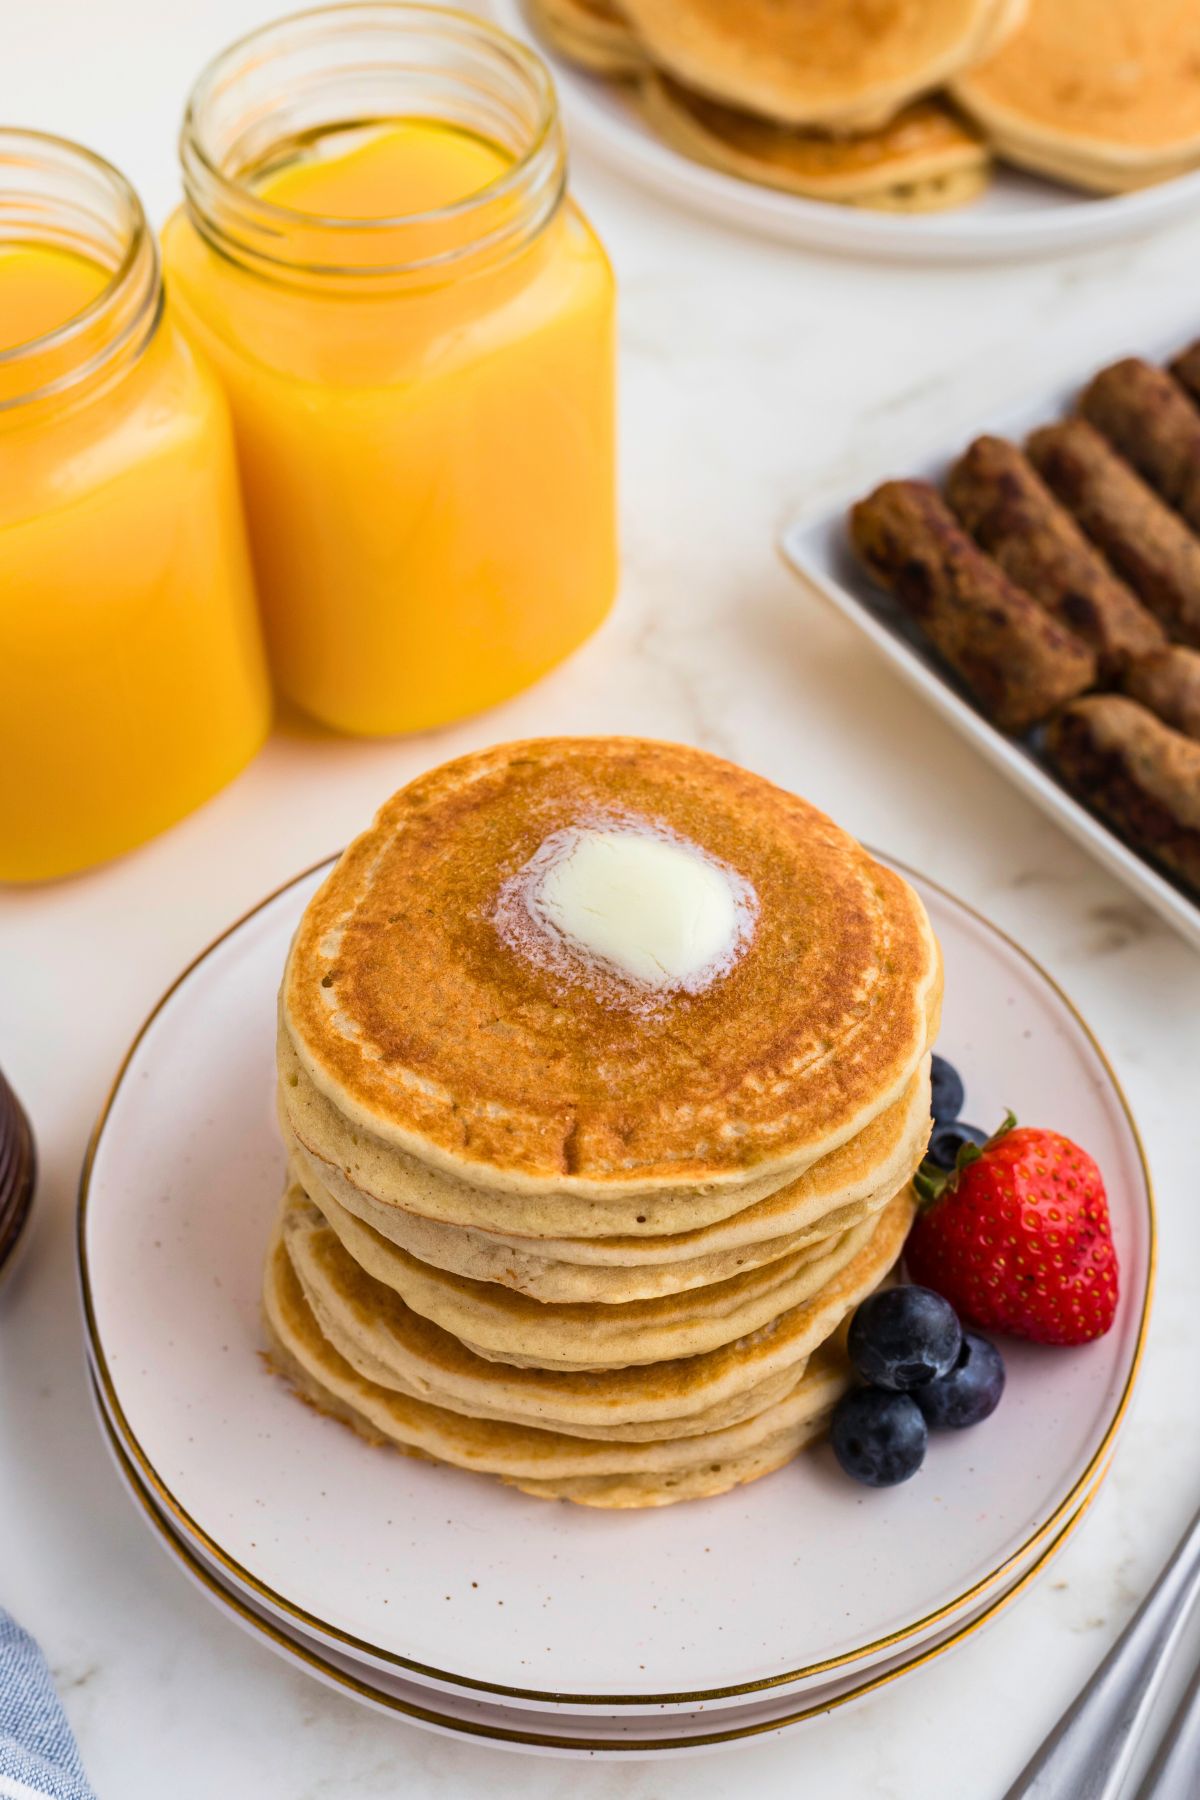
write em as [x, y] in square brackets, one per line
[38, 1758]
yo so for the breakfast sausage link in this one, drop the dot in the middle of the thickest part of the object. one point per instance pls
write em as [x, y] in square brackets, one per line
[1186, 369]
[1146, 415]
[1168, 682]
[1007, 507]
[1143, 539]
[1017, 661]
[1135, 772]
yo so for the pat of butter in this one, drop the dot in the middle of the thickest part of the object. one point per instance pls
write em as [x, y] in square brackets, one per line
[648, 906]
[635, 899]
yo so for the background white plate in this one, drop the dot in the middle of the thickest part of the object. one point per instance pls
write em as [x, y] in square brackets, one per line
[1017, 216]
[455, 1577]
[599, 1734]
[818, 548]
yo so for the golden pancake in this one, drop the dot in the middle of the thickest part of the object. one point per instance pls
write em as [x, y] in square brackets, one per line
[503, 1326]
[1105, 96]
[434, 1039]
[824, 62]
[835, 1194]
[1096, 177]
[386, 1342]
[646, 1474]
[923, 158]
[385, 1178]
[590, 33]
[805, 1424]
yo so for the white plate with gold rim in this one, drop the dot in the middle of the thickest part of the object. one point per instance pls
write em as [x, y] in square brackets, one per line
[600, 1735]
[1016, 216]
[453, 1579]
[792, 1704]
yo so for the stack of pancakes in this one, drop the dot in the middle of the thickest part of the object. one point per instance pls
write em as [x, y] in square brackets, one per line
[900, 106]
[544, 1222]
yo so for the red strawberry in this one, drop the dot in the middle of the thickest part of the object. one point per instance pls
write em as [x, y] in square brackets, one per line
[1018, 1239]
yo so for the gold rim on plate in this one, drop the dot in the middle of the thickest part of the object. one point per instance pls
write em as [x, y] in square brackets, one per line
[312, 1659]
[149, 1477]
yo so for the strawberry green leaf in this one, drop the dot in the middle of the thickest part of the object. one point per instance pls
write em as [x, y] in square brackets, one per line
[932, 1184]
[1002, 1130]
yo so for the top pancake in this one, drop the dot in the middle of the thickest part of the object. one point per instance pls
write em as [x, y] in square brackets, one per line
[422, 1026]
[1115, 88]
[839, 63]
[830, 1196]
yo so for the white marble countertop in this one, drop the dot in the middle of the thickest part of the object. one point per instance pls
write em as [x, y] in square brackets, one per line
[754, 379]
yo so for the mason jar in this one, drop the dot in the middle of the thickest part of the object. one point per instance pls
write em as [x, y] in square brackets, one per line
[413, 324]
[132, 677]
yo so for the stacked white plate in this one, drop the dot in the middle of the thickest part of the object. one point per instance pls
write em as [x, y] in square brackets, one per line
[470, 1609]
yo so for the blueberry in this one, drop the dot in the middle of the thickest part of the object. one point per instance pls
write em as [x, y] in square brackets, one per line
[969, 1392]
[903, 1337]
[878, 1438]
[948, 1091]
[947, 1140]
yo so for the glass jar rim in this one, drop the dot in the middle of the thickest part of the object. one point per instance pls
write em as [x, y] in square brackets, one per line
[450, 23]
[102, 327]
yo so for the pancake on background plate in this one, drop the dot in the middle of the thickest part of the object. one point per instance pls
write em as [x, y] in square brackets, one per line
[824, 62]
[923, 159]
[1104, 96]
[591, 33]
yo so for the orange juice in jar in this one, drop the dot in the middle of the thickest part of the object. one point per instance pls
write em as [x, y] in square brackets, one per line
[414, 328]
[132, 678]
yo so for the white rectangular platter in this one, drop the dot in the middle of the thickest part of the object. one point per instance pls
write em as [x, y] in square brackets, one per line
[819, 550]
